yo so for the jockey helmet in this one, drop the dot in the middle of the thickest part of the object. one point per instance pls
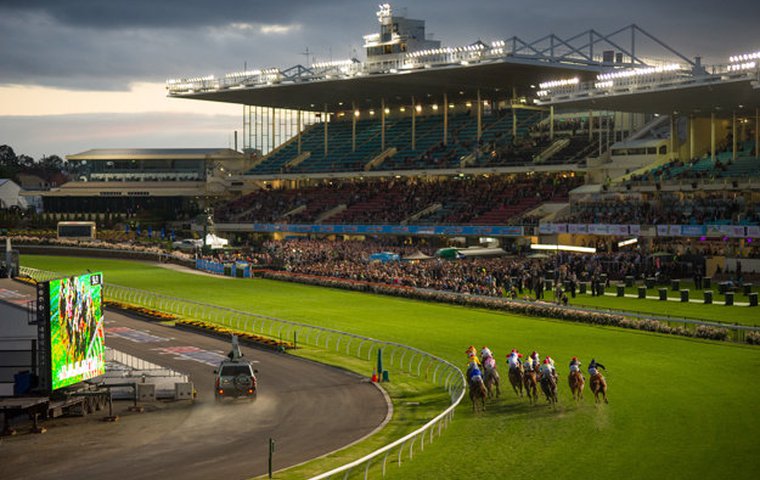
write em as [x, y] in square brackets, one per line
[575, 358]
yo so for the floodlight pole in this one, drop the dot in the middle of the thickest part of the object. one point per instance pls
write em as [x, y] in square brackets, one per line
[298, 120]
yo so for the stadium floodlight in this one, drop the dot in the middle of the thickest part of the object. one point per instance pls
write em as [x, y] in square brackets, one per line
[630, 241]
[737, 67]
[636, 72]
[559, 83]
[562, 248]
[605, 84]
[744, 57]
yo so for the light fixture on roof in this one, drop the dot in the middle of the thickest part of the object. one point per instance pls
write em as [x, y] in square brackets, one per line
[637, 72]
[418, 108]
[435, 106]
[559, 83]
[744, 57]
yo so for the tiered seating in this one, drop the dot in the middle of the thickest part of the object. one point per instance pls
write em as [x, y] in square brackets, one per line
[745, 165]
[683, 209]
[463, 200]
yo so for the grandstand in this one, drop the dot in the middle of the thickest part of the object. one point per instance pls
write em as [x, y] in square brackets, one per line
[491, 134]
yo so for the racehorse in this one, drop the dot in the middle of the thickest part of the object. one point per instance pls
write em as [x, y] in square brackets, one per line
[529, 381]
[598, 386]
[478, 393]
[549, 387]
[516, 379]
[577, 383]
[491, 377]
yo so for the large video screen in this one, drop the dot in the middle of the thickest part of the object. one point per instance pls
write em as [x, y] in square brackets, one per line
[77, 334]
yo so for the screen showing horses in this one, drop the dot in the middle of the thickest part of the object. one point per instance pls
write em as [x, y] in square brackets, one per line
[77, 335]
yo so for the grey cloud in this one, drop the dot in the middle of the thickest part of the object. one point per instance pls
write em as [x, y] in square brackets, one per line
[96, 44]
[101, 14]
[68, 134]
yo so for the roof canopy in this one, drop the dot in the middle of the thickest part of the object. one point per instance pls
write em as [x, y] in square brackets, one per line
[492, 79]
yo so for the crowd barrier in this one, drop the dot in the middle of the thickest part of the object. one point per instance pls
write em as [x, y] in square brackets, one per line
[416, 362]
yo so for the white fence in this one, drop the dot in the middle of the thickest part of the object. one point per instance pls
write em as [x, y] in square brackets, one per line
[412, 360]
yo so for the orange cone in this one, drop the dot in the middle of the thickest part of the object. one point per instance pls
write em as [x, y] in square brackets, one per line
[374, 376]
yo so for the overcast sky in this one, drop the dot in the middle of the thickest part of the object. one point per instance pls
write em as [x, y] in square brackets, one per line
[79, 74]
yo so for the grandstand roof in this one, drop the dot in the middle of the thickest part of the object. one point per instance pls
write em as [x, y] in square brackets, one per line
[398, 88]
[722, 98]
[155, 154]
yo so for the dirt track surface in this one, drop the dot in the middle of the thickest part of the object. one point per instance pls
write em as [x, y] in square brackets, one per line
[309, 409]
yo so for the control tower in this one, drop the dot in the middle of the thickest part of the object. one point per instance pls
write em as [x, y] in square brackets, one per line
[398, 36]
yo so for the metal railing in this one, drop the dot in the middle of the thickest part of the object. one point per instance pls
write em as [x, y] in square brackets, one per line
[412, 360]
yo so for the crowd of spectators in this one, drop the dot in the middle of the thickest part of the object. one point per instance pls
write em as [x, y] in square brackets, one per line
[392, 201]
[510, 276]
[667, 208]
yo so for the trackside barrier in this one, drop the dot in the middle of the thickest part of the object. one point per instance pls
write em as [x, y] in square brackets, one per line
[412, 360]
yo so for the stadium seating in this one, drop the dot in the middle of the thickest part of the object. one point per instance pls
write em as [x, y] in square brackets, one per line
[480, 200]
[429, 151]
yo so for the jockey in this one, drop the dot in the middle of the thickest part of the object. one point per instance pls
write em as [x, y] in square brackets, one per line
[514, 359]
[474, 374]
[549, 360]
[575, 365]
[592, 367]
[536, 357]
[485, 353]
[547, 369]
[528, 364]
[472, 355]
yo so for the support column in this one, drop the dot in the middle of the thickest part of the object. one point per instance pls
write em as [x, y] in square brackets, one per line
[514, 114]
[382, 124]
[712, 136]
[353, 126]
[672, 136]
[691, 137]
[551, 123]
[480, 116]
[599, 131]
[757, 133]
[324, 122]
[733, 136]
[298, 121]
[414, 124]
[274, 124]
[590, 125]
[445, 119]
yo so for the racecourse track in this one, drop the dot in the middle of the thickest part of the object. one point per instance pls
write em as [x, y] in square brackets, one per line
[307, 408]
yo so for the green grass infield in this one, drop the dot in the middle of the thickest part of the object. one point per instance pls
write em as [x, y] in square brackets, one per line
[679, 407]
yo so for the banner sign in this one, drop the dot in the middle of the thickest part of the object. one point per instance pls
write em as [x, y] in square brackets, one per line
[577, 228]
[469, 230]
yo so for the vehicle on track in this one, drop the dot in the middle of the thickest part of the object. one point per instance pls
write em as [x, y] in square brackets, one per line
[235, 377]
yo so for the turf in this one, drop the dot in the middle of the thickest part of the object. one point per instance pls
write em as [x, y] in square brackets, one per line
[679, 408]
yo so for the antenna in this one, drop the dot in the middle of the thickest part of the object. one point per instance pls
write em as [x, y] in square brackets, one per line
[307, 53]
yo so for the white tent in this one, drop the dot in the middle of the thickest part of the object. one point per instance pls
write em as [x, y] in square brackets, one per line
[216, 242]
